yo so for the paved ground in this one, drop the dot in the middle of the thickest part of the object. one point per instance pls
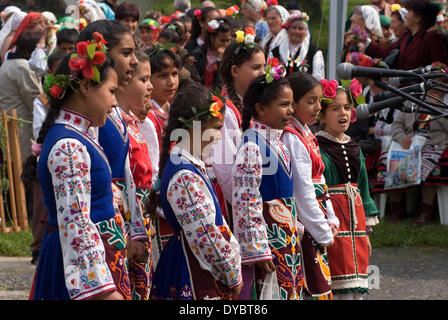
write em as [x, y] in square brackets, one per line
[404, 274]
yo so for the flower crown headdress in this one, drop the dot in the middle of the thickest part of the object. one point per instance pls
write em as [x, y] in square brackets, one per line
[245, 40]
[214, 25]
[233, 10]
[89, 56]
[274, 70]
[213, 108]
[267, 4]
[352, 87]
[363, 60]
[298, 15]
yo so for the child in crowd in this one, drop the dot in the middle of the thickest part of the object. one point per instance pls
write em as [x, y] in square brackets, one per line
[209, 55]
[199, 27]
[346, 177]
[264, 210]
[149, 30]
[134, 102]
[79, 258]
[114, 139]
[165, 66]
[242, 62]
[66, 39]
[314, 209]
[202, 259]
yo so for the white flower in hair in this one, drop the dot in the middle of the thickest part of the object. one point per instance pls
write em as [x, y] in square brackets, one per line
[249, 38]
[213, 24]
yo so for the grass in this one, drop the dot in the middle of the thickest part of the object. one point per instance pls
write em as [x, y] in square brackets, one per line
[15, 244]
[404, 234]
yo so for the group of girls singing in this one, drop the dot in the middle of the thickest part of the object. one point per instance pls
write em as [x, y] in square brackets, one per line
[161, 190]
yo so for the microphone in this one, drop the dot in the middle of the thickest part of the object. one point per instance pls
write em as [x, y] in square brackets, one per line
[348, 71]
[416, 88]
[363, 111]
[397, 81]
[426, 69]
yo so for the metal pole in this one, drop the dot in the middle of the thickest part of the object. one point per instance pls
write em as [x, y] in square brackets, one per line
[336, 28]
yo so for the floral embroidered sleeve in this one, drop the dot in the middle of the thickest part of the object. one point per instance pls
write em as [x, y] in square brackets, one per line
[194, 208]
[247, 205]
[85, 268]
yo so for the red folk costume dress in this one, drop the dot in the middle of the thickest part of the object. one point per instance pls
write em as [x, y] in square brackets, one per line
[153, 129]
[346, 175]
[141, 168]
[314, 209]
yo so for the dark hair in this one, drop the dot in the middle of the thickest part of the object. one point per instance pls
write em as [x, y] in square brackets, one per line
[111, 30]
[232, 57]
[191, 93]
[27, 42]
[67, 35]
[397, 14]
[126, 10]
[260, 91]
[196, 27]
[56, 56]
[56, 104]
[324, 104]
[172, 35]
[224, 27]
[301, 83]
[159, 58]
[426, 10]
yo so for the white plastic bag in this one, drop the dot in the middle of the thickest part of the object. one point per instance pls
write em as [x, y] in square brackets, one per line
[270, 289]
[404, 166]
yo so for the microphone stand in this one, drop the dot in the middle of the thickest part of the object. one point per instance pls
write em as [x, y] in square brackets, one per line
[384, 85]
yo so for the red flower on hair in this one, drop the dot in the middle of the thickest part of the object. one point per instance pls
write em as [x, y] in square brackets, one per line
[355, 88]
[274, 62]
[250, 31]
[56, 91]
[165, 20]
[198, 14]
[329, 88]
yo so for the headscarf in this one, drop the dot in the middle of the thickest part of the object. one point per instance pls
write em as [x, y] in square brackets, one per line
[67, 23]
[50, 17]
[372, 20]
[30, 18]
[7, 11]
[11, 25]
[282, 35]
[256, 5]
[300, 15]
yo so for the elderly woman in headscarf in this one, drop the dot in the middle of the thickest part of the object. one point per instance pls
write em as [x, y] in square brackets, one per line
[8, 31]
[297, 53]
[365, 23]
[275, 17]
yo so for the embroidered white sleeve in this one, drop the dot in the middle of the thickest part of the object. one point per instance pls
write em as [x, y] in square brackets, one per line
[308, 210]
[86, 271]
[149, 131]
[194, 208]
[247, 205]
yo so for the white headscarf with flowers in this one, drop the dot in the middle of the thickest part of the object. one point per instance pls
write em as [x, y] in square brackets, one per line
[282, 35]
[372, 20]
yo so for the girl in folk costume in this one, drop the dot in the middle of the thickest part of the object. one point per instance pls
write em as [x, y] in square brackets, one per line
[114, 139]
[83, 254]
[264, 212]
[199, 27]
[242, 61]
[165, 79]
[134, 102]
[275, 17]
[209, 55]
[314, 208]
[202, 259]
[348, 187]
[297, 53]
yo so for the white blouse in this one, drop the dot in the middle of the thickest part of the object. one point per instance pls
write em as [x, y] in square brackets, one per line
[224, 152]
[194, 208]
[308, 210]
[249, 225]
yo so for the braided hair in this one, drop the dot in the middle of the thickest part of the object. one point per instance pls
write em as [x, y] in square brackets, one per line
[234, 57]
[260, 91]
